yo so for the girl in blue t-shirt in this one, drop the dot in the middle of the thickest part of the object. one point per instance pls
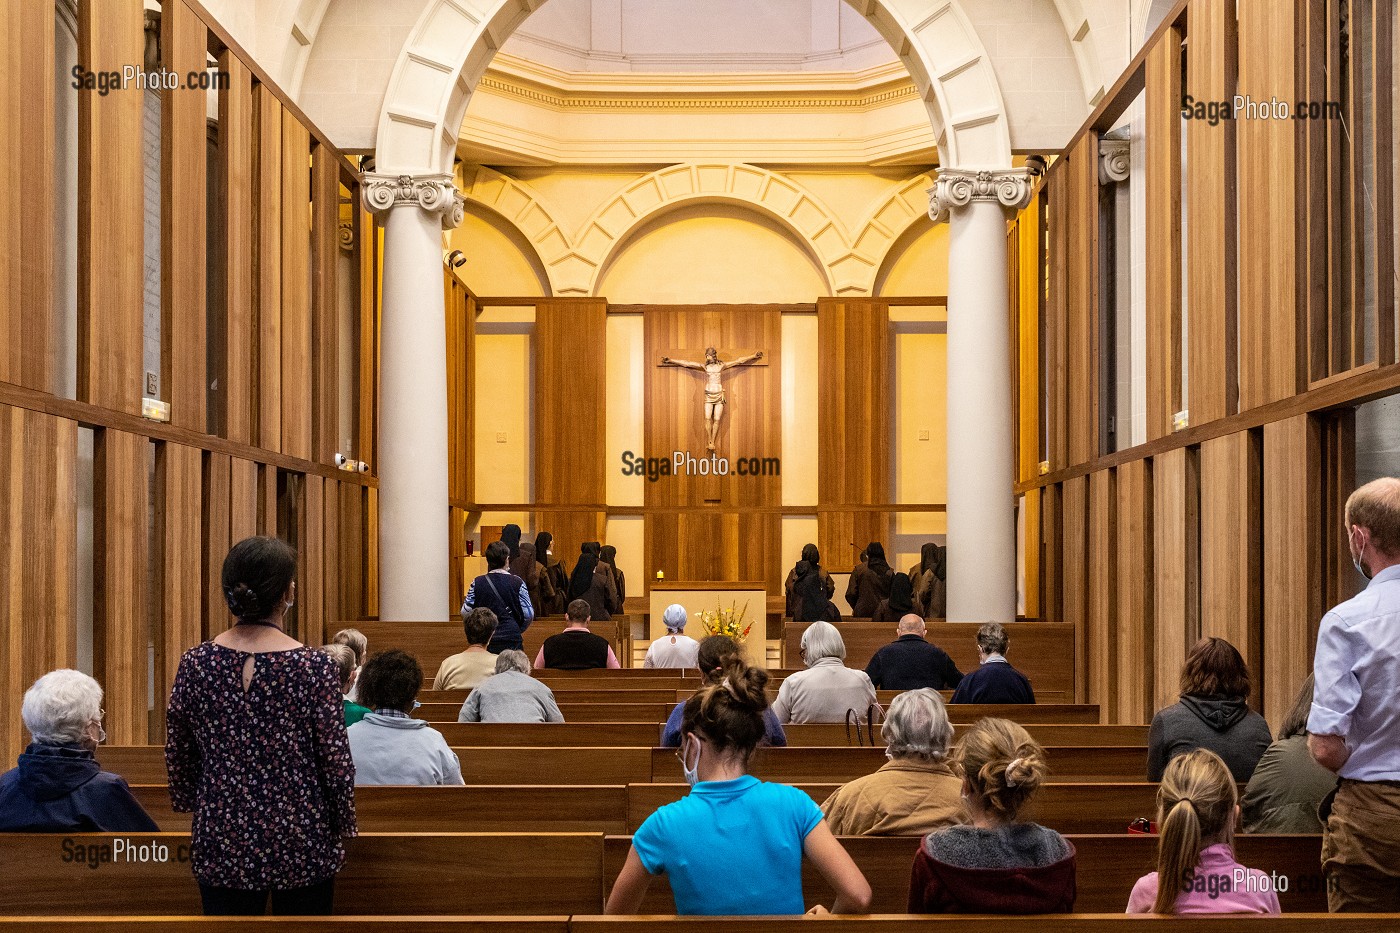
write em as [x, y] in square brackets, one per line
[734, 846]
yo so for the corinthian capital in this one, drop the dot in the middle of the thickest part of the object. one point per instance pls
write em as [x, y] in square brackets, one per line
[435, 194]
[958, 187]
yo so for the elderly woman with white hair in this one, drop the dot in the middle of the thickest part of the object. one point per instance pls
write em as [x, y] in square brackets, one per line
[827, 690]
[676, 648]
[916, 792]
[59, 787]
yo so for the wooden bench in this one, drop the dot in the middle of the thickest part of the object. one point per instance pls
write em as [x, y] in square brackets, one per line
[452, 874]
[1066, 808]
[474, 808]
[430, 642]
[1107, 867]
[1043, 651]
[336, 924]
[1025, 714]
[573, 712]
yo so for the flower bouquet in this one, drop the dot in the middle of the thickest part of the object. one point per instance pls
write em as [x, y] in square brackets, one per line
[729, 622]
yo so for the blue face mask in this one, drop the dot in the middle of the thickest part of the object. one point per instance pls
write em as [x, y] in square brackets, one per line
[692, 775]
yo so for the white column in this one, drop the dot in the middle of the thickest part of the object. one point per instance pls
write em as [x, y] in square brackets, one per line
[412, 449]
[981, 504]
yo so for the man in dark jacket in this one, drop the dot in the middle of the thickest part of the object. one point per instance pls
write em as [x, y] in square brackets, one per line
[910, 662]
[995, 680]
[504, 594]
[59, 787]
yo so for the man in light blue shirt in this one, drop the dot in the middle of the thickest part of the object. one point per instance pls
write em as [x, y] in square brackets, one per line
[1354, 723]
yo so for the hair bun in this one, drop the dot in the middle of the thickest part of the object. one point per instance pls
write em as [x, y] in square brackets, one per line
[747, 686]
[242, 601]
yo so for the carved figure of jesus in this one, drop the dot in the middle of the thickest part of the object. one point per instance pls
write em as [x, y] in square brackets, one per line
[714, 389]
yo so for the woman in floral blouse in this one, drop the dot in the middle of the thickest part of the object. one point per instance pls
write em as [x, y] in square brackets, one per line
[256, 749]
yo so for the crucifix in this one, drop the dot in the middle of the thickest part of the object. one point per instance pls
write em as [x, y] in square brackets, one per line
[713, 367]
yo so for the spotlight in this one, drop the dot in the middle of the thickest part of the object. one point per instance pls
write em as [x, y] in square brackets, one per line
[367, 162]
[455, 259]
[1036, 165]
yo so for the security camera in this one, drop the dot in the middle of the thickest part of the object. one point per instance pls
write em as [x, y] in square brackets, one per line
[367, 162]
[455, 259]
[1036, 165]
[361, 466]
[340, 460]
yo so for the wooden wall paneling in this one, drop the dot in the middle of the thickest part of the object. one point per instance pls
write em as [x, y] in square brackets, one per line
[38, 557]
[297, 383]
[311, 556]
[352, 551]
[709, 545]
[1212, 358]
[179, 564]
[1163, 231]
[1074, 556]
[366, 255]
[1176, 567]
[1293, 536]
[1026, 326]
[242, 499]
[1341, 581]
[1034, 553]
[331, 554]
[1133, 554]
[1052, 569]
[1057, 317]
[1080, 218]
[1272, 291]
[267, 259]
[27, 353]
[267, 500]
[216, 532]
[1382, 157]
[1232, 546]
[183, 235]
[1314, 219]
[120, 613]
[571, 528]
[853, 400]
[234, 166]
[460, 352]
[110, 210]
[325, 314]
[1100, 629]
[371, 552]
[570, 386]
[1354, 177]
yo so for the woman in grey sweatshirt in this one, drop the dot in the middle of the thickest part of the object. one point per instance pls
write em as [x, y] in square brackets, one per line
[388, 746]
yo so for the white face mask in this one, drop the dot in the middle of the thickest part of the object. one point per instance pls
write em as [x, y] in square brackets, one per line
[1356, 562]
[692, 774]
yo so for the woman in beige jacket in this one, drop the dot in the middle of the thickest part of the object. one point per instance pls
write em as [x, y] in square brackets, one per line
[916, 792]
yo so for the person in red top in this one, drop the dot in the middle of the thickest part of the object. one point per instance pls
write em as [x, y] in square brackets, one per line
[997, 865]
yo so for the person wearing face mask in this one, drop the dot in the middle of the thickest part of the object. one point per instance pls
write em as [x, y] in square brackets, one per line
[58, 786]
[715, 656]
[1355, 715]
[757, 833]
[256, 749]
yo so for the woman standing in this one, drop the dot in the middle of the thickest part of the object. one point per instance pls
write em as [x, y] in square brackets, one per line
[812, 557]
[256, 749]
[900, 602]
[870, 582]
[592, 583]
[554, 577]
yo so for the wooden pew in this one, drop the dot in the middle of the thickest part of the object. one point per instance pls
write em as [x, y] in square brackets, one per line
[430, 642]
[1066, 808]
[440, 873]
[573, 712]
[145, 764]
[1076, 764]
[618, 693]
[1043, 651]
[470, 809]
[1052, 713]
[1107, 867]
[551, 734]
[337, 924]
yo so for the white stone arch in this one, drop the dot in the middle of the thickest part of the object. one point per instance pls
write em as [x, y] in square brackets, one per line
[453, 41]
[815, 228]
[892, 214]
[523, 208]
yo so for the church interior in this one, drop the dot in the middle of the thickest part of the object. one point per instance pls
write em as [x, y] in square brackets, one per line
[1083, 314]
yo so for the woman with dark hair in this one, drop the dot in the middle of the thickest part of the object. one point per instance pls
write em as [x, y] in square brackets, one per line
[756, 832]
[900, 602]
[256, 748]
[870, 582]
[1212, 713]
[524, 566]
[553, 576]
[388, 744]
[811, 596]
[510, 534]
[608, 556]
[1288, 784]
[930, 577]
[812, 557]
[717, 655]
[592, 583]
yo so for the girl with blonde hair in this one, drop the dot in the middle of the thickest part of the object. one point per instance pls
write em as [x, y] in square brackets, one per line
[999, 864]
[1197, 807]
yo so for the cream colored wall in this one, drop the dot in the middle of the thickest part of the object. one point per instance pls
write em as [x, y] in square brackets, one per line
[625, 415]
[501, 395]
[499, 260]
[627, 533]
[917, 264]
[711, 253]
[800, 446]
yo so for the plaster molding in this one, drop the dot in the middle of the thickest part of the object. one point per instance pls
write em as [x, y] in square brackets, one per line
[1115, 160]
[955, 188]
[453, 42]
[435, 194]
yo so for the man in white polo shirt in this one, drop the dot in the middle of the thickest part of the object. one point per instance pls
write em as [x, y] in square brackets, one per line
[1354, 723]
